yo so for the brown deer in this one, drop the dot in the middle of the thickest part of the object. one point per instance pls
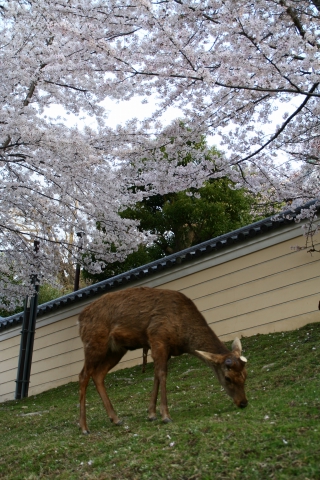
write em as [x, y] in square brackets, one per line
[169, 324]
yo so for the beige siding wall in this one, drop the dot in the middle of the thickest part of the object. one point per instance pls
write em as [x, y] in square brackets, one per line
[271, 289]
[9, 352]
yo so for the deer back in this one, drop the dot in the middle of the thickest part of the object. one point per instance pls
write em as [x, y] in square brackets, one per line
[134, 317]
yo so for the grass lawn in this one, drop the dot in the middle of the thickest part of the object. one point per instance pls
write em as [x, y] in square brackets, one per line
[276, 437]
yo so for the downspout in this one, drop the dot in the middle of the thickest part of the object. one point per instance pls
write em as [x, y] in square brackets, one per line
[23, 344]
[27, 339]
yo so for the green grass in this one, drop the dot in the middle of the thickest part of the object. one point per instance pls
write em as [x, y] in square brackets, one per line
[276, 437]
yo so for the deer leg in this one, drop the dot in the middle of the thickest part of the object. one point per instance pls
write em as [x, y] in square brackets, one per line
[84, 378]
[144, 358]
[160, 357]
[152, 415]
[98, 377]
[163, 396]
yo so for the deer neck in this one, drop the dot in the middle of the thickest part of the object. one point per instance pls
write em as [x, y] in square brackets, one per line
[207, 341]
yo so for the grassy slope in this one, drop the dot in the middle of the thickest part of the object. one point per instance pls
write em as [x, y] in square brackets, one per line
[277, 436]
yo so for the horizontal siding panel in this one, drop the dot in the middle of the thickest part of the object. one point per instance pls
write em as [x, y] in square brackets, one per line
[261, 317]
[283, 325]
[9, 343]
[132, 355]
[9, 353]
[51, 351]
[8, 393]
[255, 274]
[9, 376]
[56, 337]
[265, 300]
[9, 365]
[7, 397]
[131, 362]
[281, 252]
[294, 278]
[47, 366]
[35, 390]
[54, 327]
[55, 373]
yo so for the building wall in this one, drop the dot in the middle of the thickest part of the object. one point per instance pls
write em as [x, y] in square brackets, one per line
[261, 286]
[268, 291]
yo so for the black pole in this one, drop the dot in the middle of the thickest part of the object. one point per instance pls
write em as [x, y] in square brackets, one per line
[27, 338]
[23, 344]
[77, 278]
[77, 272]
[30, 342]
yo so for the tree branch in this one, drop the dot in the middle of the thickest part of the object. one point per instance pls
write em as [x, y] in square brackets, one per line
[66, 86]
[30, 93]
[283, 126]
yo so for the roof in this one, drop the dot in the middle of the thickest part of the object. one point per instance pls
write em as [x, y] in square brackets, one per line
[187, 255]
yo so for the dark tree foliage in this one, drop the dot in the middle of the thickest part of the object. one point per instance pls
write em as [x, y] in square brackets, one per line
[184, 219]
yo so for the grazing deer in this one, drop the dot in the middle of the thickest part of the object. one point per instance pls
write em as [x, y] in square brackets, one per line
[169, 324]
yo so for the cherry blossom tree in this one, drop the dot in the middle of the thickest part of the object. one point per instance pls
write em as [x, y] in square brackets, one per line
[228, 65]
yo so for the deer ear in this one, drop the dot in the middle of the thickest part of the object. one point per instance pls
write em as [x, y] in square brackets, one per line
[211, 357]
[236, 346]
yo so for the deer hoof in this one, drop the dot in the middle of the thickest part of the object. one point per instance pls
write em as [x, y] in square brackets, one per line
[86, 432]
[116, 422]
[167, 420]
[152, 419]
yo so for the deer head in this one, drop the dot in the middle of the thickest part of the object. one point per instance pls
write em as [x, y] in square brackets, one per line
[230, 371]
